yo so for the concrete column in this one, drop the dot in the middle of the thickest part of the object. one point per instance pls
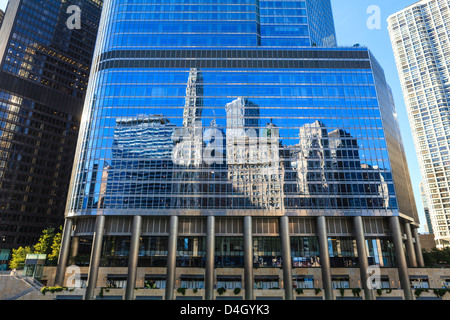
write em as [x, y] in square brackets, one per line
[96, 254]
[418, 247]
[63, 253]
[410, 245]
[133, 257]
[286, 256]
[75, 246]
[209, 268]
[362, 255]
[171, 257]
[248, 258]
[402, 267]
[324, 257]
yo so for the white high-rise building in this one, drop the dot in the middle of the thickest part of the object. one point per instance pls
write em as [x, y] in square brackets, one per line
[421, 42]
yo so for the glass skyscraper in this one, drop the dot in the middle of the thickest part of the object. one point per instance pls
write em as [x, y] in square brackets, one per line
[44, 70]
[419, 37]
[220, 137]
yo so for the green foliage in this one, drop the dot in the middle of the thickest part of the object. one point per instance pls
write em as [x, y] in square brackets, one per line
[436, 257]
[56, 245]
[49, 243]
[221, 290]
[440, 292]
[342, 291]
[195, 290]
[18, 257]
[44, 244]
[182, 291]
[299, 291]
[317, 291]
[237, 290]
[379, 292]
[418, 292]
[52, 289]
[356, 292]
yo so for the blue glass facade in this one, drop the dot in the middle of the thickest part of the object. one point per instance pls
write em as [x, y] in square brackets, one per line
[318, 137]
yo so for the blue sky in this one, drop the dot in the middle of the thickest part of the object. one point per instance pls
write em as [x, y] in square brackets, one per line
[350, 17]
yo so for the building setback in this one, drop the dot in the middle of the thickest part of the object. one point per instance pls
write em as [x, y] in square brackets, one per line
[284, 156]
[44, 69]
[420, 37]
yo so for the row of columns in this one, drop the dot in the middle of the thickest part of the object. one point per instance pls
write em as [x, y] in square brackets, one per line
[413, 249]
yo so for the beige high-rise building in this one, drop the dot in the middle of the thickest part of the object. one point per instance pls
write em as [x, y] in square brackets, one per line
[421, 44]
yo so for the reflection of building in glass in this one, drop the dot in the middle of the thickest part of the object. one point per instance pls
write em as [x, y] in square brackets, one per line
[254, 165]
[328, 163]
[188, 149]
[141, 145]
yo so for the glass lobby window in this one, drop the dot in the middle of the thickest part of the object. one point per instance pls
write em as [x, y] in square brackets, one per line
[119, 281]
[419, 282]
[229, 252]
[115, 251]
[385, 284]
[191, 251]
[229, 282]
[446, 283]
[305, 252]
[343, 252]
[155, 281]
[381, 252]
[153, 251]
[192, 282]
[267, 282]
[303, 282]
[340, 282]
[84, 252]
[266, 252]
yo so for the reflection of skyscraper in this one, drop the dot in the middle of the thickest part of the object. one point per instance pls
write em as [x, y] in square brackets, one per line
[188, 149]
[253, 160]
[328, 163]
[140, 144]
[193, 106]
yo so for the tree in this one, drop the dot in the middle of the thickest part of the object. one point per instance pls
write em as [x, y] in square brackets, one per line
[56, 245]
[18, 257]
[44, 244]
[436, 257]
[49, 243]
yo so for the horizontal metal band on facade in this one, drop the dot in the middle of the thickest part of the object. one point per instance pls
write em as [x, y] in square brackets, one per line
[238, 59]
[232, 226]
[233, 64]
[236, 54]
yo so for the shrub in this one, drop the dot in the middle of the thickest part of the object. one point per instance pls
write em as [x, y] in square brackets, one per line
[221, 290]
[52, 289]
[299, 290]
[356, 292]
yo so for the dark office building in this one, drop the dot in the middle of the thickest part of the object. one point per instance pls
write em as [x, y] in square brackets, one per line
[44, 73]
